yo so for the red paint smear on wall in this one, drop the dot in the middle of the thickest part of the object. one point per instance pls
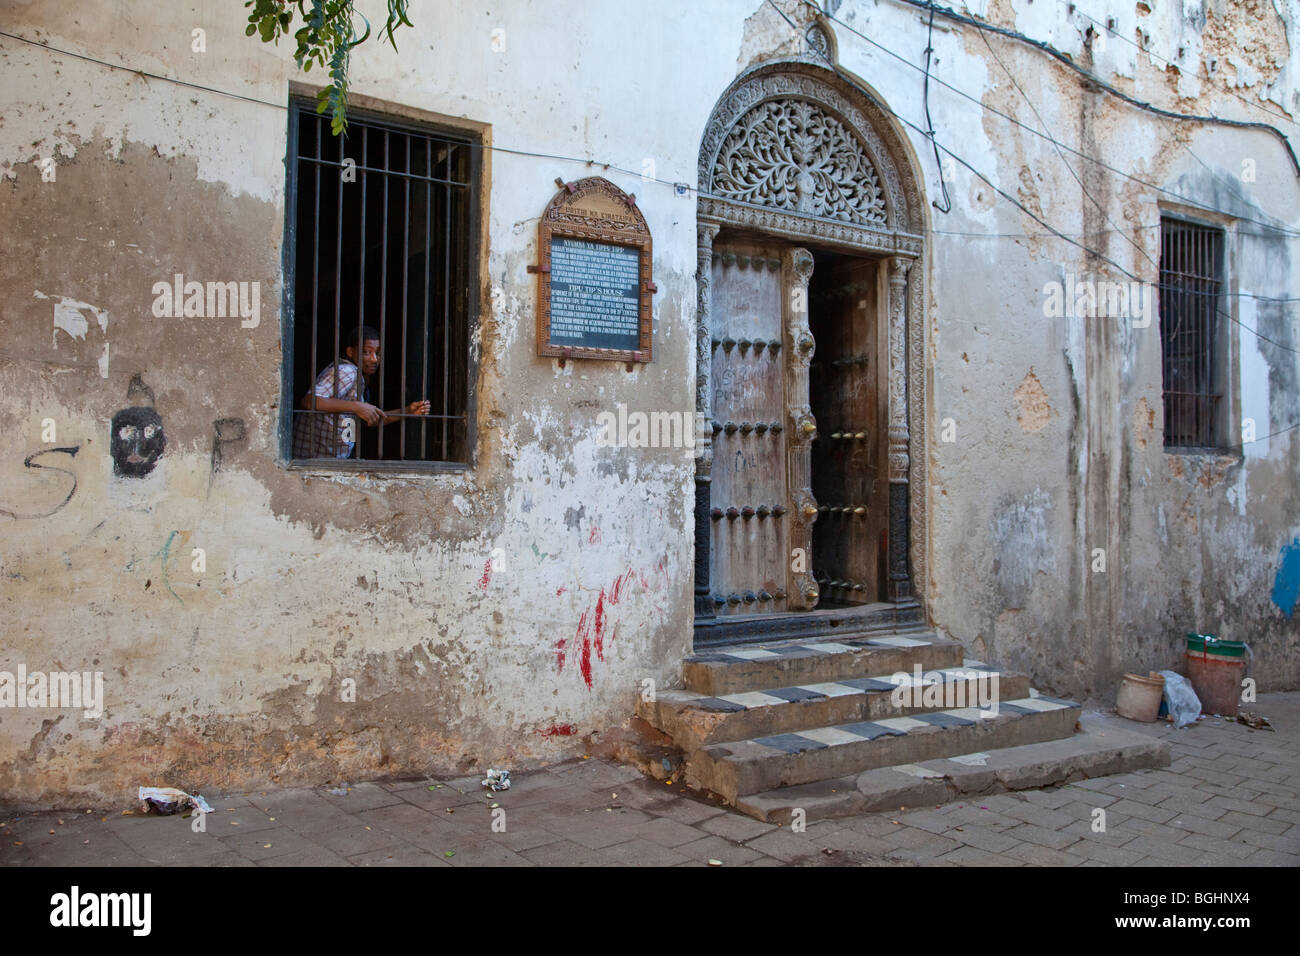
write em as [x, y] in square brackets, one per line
[487, 575]
[595, 619]
[557, 730]
[594, 537]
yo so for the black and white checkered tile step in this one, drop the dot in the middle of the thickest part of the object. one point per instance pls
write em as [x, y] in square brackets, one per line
[793, 743]
[970, 670]
[786, 649]
[765, 763]
[724, 671]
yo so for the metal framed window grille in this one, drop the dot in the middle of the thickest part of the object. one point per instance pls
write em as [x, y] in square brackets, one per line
[380, 248]
[1191, 333]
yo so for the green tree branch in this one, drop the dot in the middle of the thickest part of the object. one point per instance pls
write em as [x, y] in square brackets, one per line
[326, 39]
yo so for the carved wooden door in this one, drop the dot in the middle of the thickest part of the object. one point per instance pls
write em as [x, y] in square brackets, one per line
[848, 459]
[762, 505]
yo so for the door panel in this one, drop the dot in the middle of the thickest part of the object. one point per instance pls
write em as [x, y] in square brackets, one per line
[749, 543]
[848, 399]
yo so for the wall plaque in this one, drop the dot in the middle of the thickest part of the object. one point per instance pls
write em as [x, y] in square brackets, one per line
[594, 285]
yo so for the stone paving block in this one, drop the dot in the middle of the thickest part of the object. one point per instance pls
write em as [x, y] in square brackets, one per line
[1240, 806]
[716, 848]
[1250, 821]
[928, 820]
[1052, 799]
[400, 855]
[1043, 856]
[990, 841]
[783, 845]
[1197, 824]
[1273, 858]
[355, 838]
[684, 810]
[926, 851]
[483, 851]
[1040, 816]
[1227, 850]
[642, 853]
[851, 841]
[255, 845]
[1099, 851]
[1041, 836]
[438, 799]
[308, 856]
[360, 796]
[599, 775]
[1129, 807]
[240, 820]
[563, 853]
[1164, 850]
[736, 827]
[666, 832]
[1286, 814]
[973, 856]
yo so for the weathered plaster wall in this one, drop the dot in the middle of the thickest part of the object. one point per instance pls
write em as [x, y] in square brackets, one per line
[1058, 419]
[494, 617]
[231, 677]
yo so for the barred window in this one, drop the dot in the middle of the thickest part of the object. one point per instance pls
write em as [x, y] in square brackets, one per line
[380, 258]
[1192, 334]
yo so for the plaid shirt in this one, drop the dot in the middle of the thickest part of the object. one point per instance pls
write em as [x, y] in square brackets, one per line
[325, 436]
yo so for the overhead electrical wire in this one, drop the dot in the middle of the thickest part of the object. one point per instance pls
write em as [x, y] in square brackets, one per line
[1290, 233]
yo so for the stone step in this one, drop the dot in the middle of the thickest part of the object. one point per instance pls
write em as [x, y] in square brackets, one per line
[694, 720]
[730, 670]
[1103, 746]
[743, 767]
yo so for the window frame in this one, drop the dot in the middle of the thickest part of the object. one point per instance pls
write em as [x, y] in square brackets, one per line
[1226, 426]
[477, 136]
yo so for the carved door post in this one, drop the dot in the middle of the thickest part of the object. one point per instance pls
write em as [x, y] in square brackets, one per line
[802, 425]
[899, 587]
[703, 433]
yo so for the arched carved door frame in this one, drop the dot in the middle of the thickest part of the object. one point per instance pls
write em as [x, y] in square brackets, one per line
[843, 208]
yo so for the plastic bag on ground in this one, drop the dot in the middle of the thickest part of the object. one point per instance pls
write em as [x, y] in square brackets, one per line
[167, 800]
[497, 780]
[1184, 705]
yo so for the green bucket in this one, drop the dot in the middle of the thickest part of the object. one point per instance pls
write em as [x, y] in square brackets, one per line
[1209, 644]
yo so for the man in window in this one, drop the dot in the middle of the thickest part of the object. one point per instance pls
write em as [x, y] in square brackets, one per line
[339, 388]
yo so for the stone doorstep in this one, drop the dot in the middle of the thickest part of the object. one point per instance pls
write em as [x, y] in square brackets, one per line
[791, 663]
[1100, 749]
[695, 720]
[756, 765]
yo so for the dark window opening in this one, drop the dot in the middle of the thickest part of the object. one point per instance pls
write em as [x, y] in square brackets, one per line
[1192, 334]
[381, 241]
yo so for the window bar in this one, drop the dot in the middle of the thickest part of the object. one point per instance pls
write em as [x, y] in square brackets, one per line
[446, 300]
[383, 285]
[428, 271]
[361, 303]
[406, 265]
[338, 280]
[313, 416]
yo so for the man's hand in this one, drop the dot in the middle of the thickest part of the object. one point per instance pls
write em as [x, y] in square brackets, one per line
[369, 413]
[418, 408]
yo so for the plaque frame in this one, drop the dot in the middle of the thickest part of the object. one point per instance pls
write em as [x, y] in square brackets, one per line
[609, 216]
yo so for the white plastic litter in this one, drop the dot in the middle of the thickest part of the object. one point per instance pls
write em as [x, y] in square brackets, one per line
[1184, 705]
[167, 800]
[497, 780]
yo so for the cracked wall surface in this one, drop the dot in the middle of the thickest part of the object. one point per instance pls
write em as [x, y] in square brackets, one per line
[477, 612]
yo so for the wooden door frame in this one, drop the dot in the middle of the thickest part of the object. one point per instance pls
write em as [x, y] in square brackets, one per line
[895, 231]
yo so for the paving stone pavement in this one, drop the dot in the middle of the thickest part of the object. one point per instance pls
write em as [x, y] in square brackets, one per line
[1231, 797]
